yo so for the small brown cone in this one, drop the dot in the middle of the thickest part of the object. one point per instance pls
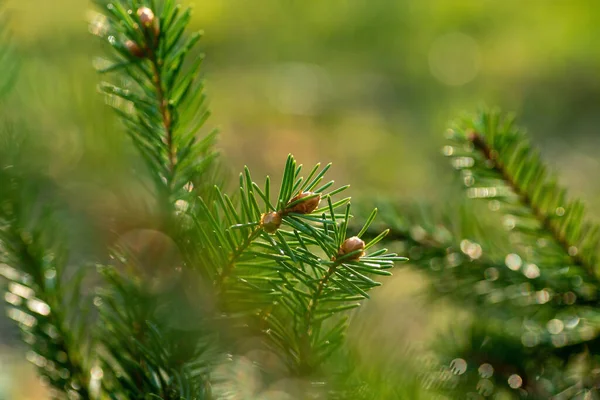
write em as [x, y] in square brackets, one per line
[304, 207]
[148, 19]
[270, 222]
[135, 49]
[146, 16]
[350, 245]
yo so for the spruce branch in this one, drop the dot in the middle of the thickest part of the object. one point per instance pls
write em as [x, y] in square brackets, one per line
[274, 272]
[160, 102]
[32, 260]
[263, 258]
[524, 291]
[143, 350]
[546, 221]
[505, 161]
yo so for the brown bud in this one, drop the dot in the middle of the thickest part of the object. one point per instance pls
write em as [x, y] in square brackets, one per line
[304, 207]
[352, 244]
[146, 16]
[135, 49]
[271, 221]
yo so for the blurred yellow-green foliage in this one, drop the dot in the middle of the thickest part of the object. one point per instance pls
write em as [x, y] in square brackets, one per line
[367, 84]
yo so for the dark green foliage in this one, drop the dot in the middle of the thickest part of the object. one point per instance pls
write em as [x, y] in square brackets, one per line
[144, 351]
[532, 286]
[33, 260]
[285, 280]
[294, 279]
[160, 95]
[222, 295]
[179, 295]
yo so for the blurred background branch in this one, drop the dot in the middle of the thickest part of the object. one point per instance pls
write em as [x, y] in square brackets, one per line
[369, 85]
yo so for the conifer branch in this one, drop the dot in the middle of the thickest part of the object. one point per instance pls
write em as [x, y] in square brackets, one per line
[161, 103]
[164, 109]
[263, 257]
[505, 161]
[32, 261]
[545, 220]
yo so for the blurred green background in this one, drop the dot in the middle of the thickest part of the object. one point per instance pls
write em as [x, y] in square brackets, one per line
[367, 84]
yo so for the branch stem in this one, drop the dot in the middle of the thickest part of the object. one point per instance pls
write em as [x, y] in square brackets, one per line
[228, 269]
[163, 105]
[305, 364]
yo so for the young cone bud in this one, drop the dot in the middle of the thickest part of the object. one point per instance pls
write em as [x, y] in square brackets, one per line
[352, 244]
[304, 207]
[135, 49]
[146, 16]
[271, 221]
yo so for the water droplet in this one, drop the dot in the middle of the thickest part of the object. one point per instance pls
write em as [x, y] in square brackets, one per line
[38, 306]
[529, 339]
[573, 251]
[542, 296]
[418, 233]
[569, 298]
[469, 180]
[448, 150]
[458, 366]
[112, 40]
[496, 296]
[472, 249]
[513, 261]
[572, 322]
[482, 192]
[13, 299]
[36, 359]
[98, 24]
[555, 326]
[494, 205]
[560, 340]
[435, 264]
[560, 211]
[531, 271]
[486, 370]
[509, 222]
[453, 260]
[463, 162]
[491, 274]
[485, 387]
[51, 331]
[96, 373]
[98, 301]
[181, 206]
[50, 274]
[20, 290]
[9, 273]
[515, 381]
